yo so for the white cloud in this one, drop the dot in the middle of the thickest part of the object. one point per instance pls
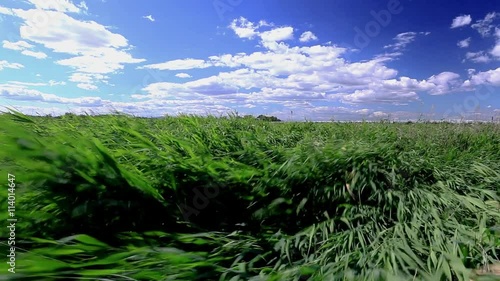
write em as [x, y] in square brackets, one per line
[80, 37]
[380, 114]
[83, 6]
[402, 90]
[271, 39]
[444, 83]
[27, 83]
[86, 77]
[464, 43]
[86, 80]
[22, 93]
[87, 86]
[37, 84]
[93, 48]
[23, 46]
[308, 36]
[103, 61]
[496, 49]
[16, 46]
[55, 83]
[369, 82]
[290, 76]
[183, 75]
[5, 64]
[461, 21]
[58, 5]
[403, 39]
[38, 55]
[374, 96]
[149, 17]
[485, 25]
[177, 65]
[244, 28]
[490, 77]
[478, 57]
[6, 11]
[277, 34]
[149, 109]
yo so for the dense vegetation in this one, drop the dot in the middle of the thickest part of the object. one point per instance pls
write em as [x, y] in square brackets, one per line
[203, 198]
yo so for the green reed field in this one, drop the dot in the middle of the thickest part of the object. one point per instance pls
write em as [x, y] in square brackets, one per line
[203, 198]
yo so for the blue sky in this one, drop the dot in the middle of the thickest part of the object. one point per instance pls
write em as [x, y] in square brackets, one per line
[314, 60]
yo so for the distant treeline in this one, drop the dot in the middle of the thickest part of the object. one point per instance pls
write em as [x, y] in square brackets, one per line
[262, 117]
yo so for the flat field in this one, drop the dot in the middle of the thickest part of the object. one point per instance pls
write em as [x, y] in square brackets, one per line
[203, 198]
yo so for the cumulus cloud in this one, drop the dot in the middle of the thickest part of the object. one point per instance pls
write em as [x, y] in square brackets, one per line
[143, 109]
[280, 76]
[270, 39]
[16, 46]
[478, 57]
[24, 47]
[22, 93]
[5, 64]
[83, 6]
[87, 86]
[104, 61]
[380, 114]
[6, 11]
[373, 96]
[490, 77]
[485, 26]
[38, 55]
[245, 28]
[292, 76]
[308, 36]
[495, 52]
[461, 21]
[87, 77]
[92, 47]
[85, 80]
[444, 83]
[464, 43]
[277, 34]
[183, 75]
